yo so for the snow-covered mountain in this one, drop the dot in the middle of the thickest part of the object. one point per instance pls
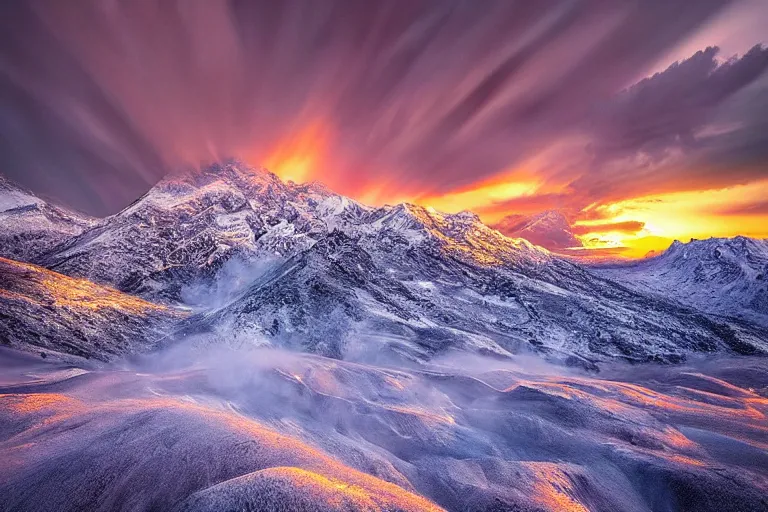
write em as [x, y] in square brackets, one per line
[187, 227]
[420, 297]
[40, 309]
[421, 282]
[722, 276]
[549, 229]
[29, 226]
[323, 273]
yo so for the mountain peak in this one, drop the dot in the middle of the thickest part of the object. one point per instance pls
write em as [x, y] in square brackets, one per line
[554, 215]
[317, 187]
[549, 228]
[233, 171]
[13, 196]
[31, 226]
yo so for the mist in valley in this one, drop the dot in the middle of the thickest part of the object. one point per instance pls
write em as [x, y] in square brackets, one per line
[203, 426]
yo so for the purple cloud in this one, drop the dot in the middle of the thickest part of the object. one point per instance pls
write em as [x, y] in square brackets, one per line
[99, 99]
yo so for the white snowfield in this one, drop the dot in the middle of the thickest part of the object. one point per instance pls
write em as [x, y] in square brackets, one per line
[265, 430]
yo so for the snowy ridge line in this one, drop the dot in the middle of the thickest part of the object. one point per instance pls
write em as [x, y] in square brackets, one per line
[265, 262]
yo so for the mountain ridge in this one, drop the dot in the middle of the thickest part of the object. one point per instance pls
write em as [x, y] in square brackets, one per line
[48, 312]
[32, 226]
[549, 228]
[300, 266]
[204, 218]
[722, 276]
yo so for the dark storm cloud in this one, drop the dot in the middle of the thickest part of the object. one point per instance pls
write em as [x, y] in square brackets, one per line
[665, 110]
[691, 126]
[99, 99]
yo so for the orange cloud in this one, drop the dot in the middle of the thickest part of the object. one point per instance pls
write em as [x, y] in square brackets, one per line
[479, 199]
[627, 228]
[630, 227]
[756, 208]
[722, 212]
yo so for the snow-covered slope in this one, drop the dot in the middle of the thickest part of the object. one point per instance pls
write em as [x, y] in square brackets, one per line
[30, 226]
[418, 283]
[722, 276]
[549, 229]
[271, 431]
[40, 309]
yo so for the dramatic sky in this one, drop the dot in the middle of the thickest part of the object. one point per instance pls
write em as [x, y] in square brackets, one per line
[642, 121]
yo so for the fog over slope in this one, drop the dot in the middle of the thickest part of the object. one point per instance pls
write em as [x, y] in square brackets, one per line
[218, 429]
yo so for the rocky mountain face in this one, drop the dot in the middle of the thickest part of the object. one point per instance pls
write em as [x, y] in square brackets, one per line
[549, 229]
[297, 265]
[43, 311]
[31, 226]
[418, 292]
[187, 227]
[722, 276]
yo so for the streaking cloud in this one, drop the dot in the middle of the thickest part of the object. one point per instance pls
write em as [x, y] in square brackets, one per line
[499, 107]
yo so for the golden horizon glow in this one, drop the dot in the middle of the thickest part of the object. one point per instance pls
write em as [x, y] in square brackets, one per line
[297, 158]
[663, 217]
[676, 216]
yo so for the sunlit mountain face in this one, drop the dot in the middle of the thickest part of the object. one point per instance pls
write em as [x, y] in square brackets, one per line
[640, 123]
[386, 256]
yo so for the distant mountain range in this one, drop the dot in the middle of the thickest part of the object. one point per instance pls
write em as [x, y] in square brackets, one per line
[549, 229]
[266, 262]
[721, 276]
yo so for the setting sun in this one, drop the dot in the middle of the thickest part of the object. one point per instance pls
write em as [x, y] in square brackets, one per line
[299, 156]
